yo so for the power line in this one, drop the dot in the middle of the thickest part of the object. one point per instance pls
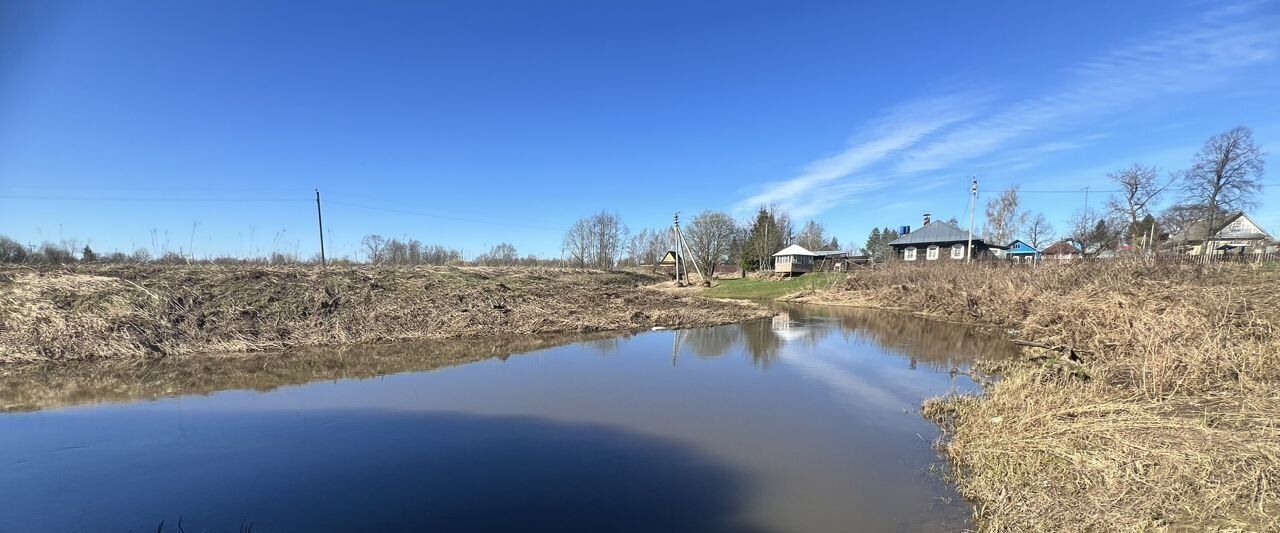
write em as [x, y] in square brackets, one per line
[144, 199]
[444, 217]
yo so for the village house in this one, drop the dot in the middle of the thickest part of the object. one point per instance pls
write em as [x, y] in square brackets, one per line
[794, 259]
[1061, 252]
[1021, 252]
[940, 241]
[1237, 234]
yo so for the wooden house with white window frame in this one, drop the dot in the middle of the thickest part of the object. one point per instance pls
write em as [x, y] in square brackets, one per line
[940, 242]
[1236, 234]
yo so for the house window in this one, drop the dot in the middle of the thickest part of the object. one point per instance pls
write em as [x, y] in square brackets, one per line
[932, 253]
[1237, 226]
[957, 251]
[909, 254]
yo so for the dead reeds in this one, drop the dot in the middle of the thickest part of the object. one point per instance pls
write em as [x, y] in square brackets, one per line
[1150, 402]
[141, 312]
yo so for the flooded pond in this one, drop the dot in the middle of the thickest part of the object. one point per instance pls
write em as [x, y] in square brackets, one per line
[805, 422]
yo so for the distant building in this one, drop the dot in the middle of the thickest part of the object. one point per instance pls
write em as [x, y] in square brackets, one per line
[669, 261]
[1021, 252]
[794, 259]
[1063, 251]
[940, 241]
[1236, 234]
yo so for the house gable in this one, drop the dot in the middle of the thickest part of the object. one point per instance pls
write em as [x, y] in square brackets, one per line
[1241, 227]
[1019, 247]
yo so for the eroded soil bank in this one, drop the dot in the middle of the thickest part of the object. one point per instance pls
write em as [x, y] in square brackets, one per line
[1151, 404]
[130, 313]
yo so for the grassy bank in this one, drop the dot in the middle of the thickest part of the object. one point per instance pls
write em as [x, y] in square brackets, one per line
[140, 312]
[1152, 402]
[753, 288]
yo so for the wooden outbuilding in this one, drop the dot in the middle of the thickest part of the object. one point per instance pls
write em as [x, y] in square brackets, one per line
[794, 259]
[1063, 251]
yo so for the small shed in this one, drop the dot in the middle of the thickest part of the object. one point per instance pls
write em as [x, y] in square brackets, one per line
[794, 259]
[1022, 252]
[669, 262]
[1063, 251]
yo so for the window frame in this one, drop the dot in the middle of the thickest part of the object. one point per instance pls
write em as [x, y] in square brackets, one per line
[931, 253]
[909, 253]
[957, 248]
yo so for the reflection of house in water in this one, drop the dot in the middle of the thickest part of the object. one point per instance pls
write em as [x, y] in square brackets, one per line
[936, 345]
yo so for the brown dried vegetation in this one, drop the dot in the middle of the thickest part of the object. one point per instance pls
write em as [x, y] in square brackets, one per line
[1151, 401]
[146, 312]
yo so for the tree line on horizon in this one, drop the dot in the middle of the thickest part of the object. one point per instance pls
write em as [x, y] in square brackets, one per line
[1225, 176]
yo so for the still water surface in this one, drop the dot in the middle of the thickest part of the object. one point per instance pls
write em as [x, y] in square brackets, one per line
[805, 422]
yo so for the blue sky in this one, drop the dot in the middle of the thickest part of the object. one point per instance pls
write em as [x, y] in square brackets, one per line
[473, 123]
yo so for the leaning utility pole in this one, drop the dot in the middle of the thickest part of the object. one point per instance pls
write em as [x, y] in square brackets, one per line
[682, 252]
[973, 204]
[675, 246]
[320, 221]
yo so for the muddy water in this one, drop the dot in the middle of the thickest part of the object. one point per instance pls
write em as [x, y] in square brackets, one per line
[806, 422]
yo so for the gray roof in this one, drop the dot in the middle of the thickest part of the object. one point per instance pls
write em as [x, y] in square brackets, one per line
[1196, 231]
[934, 232]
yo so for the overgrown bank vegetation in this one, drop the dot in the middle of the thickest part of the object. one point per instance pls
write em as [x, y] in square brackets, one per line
[136, 312]
[1152, 403]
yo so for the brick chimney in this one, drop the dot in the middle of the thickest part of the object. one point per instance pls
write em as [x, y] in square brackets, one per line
[926, 219]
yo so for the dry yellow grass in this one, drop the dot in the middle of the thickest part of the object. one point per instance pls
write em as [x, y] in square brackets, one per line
[1156, 406]
[133, 313]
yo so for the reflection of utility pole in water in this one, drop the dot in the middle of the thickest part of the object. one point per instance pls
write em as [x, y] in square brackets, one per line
[677, 338]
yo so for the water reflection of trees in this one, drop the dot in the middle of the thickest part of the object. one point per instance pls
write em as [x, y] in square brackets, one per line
[938, 345]
[177, 376]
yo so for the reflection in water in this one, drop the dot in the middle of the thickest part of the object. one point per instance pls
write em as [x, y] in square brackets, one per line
[936, 345]
[177, 376]
[794, 423]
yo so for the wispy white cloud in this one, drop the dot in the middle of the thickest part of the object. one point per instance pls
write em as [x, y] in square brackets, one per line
[823, 183]
[1186, 58]
[924, 139]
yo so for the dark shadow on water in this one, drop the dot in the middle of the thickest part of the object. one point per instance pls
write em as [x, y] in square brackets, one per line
[364, 471]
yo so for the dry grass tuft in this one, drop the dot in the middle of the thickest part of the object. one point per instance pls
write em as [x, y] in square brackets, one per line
[1152, 404]
[146, 312]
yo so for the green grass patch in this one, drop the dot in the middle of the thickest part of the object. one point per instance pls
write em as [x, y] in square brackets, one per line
[768, 289]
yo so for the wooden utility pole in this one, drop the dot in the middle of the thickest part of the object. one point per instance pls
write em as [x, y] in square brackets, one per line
[973, 204]
[675, 242]
[320, 221]
[682, 252]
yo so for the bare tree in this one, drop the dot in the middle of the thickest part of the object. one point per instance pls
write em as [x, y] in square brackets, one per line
[1093, 232]
[1003, 219]
[1039, 231]
[812, 236]
[503, 254]
[711, 236]
[1225, 176]
[648, 246]
[596, 241]
[373, 246]
[577, 243]
[12, 251]
[1140, 189]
